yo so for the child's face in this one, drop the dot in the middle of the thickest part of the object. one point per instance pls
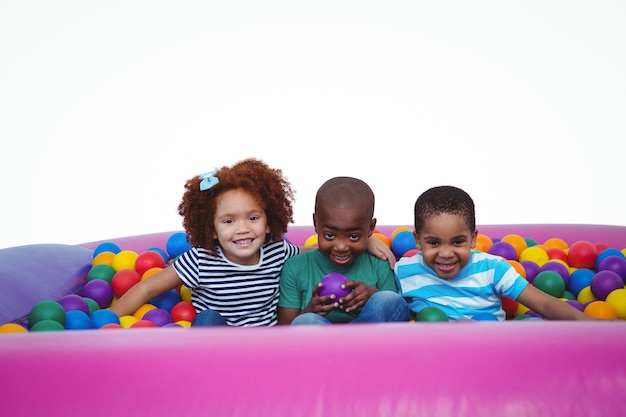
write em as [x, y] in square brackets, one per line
[240, 226]
[342, 233]
[446, 243]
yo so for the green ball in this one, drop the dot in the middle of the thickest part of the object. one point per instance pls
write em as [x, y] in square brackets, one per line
[101, 271]
[92, 304]
[47, 310]
[530, 242]
[550, 282]
[47, 325]
[431, 314]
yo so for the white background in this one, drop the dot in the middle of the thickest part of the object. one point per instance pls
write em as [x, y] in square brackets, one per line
[106, 108]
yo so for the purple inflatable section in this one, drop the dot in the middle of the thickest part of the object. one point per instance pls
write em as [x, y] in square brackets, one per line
[490, 369]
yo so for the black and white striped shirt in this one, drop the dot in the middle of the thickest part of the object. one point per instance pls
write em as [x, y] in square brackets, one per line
[244, 295]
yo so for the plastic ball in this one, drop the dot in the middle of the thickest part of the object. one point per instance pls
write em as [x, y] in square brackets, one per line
[580, 279]
[47, 325]
[402, 242]
[101, 317]
[431, 314]
[140, 324]
[77, 320]
[47, 310]
[585, 296]
[519, 268]
[311, 241]
[557, 253]
[185, 293]
[509, 306]
[124, 280]
[161, 252]
[398, 230]
[617, 299]
[531, 268]
[614, 263]
[166, 300]
[124, 260]
[601, 310]
[127, 321]
[576, 304]
[104, 258]
[557, 243]
[534, 253]
[158, 316]
[183, 310]
[141, 311]
[530, 242]
[100, 291]
[177, 244]
[184, 323]
[106, 247]
[92, 304]
[103, 271]
[603, 282]
[483, 242]
[608, 252]
[12, 328]
[382, 238]
[517, 241]
[504, 250]
[148, 259]
[111, 326]
[331, 284]
[74, 302]
[582, 254]
[557, 267]
[550, 282]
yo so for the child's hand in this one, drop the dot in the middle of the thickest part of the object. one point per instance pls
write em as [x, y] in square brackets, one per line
[320, 304]
[361, 292]
[380, 250]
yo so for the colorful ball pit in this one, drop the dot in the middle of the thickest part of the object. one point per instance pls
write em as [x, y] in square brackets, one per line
[553, 368]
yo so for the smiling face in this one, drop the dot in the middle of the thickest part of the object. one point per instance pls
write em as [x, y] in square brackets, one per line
[240, 226]
[342, 232]
[446, 243]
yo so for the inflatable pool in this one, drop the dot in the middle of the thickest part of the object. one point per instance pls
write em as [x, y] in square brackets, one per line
[513, 368]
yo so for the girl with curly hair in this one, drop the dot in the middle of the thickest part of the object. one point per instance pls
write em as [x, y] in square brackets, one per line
[234, 219]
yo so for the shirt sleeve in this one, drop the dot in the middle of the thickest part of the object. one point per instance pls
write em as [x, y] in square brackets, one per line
[187, 268]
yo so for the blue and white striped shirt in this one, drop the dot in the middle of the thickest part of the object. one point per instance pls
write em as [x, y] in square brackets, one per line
[476, 289]
[244, 295]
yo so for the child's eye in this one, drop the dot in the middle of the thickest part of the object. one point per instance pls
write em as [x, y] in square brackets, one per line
[253, 218]
[354, 238]
[432, 243]
[329, 236]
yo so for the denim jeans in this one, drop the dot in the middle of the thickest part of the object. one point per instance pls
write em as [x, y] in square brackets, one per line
[383, 306]
[208, 318]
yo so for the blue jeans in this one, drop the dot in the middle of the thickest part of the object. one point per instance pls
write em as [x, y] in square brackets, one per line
[383, 306]
[208, 318]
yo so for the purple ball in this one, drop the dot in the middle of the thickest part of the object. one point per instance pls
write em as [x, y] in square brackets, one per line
[557, 267]
[100, 291]
[158, 316]
[614, 263]
[603, 282]
[331, 284]
[74, 302]
[504, 249]
[576, 304]
[531, 268]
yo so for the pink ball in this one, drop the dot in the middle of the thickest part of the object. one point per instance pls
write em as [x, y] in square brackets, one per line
[331, 284]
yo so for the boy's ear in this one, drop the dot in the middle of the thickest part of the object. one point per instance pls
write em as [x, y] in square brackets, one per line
[315, 222]
[372, 226]
[418, 246]
[474, 235]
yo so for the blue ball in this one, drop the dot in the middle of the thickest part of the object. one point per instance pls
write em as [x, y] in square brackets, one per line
[177, 244]
[106, 247]
[608, 252]
[167, 300]
[402, 242]
[77, 320]
[101, 317]
[580, 279]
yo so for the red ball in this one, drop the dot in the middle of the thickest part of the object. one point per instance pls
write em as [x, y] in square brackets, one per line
[183, 310]
[149, 259]
[143, 324]
[123, 281]
[582, 254]
[509, 306]
[557, 253]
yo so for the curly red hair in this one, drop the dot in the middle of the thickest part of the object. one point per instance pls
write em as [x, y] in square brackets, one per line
[267, 185]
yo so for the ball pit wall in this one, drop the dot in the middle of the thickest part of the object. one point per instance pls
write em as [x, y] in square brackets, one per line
[516, 368]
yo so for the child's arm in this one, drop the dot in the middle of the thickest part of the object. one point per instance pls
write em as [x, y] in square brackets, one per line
[380, 250]
[145, 290]
[548, 306]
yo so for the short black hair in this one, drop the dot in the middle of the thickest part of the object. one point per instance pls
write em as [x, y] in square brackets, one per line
[346, 192]
[444, 199]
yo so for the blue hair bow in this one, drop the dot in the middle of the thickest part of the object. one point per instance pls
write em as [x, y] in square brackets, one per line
[208, 180]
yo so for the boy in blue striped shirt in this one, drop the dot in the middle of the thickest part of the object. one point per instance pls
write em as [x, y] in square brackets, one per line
[447, 274]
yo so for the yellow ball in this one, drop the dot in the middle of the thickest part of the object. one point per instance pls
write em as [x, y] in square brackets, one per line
[517, 241]
[617, 298]
[521, 310]
[124, 260]
[185, 293]
[536, 254]
[311, 241]
[127, 321]
[12, 328]
[143, 310]
[586, 296]
[184, 323]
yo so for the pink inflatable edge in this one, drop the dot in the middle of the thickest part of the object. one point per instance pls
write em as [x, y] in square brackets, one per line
[431, 369]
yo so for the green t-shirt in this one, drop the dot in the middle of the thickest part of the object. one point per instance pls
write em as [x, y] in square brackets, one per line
[301, 273]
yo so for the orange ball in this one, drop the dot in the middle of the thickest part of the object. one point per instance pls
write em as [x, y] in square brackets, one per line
[105, 258]
[382, 238]
[517, 241]
[518, 267]
[601, 310]
[483, 242]
[12, 328]
[556, 242]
